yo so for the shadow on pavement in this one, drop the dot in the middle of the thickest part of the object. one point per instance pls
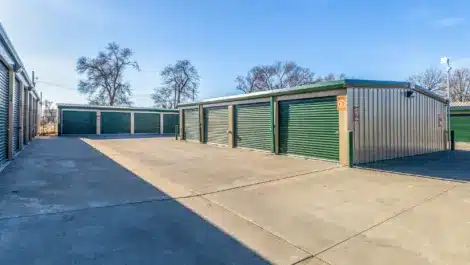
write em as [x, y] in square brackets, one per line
[121, 136]
[63, 202]
[451, 165]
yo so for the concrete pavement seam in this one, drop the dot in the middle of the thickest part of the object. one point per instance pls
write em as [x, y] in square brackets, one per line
[387, 219]
[255, 224]
[163, 198]
[267, 181]
[309, 258]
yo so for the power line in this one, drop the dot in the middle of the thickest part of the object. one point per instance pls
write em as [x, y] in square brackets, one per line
[65, 87]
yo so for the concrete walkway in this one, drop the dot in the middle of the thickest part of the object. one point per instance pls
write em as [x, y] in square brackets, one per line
[159, 201]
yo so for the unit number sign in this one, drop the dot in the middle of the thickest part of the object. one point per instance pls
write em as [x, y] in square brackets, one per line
[341, 102]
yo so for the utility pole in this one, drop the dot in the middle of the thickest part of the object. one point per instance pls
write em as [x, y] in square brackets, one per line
[446, 61]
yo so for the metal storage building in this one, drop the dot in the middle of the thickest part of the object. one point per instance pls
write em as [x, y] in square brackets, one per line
[19, 102]
[350, 121]
[460, 120]
[76, 119]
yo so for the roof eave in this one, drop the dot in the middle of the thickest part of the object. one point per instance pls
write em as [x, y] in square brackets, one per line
[272, 93]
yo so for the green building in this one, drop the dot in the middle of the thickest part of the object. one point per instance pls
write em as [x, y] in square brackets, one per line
[349, 121]
[76, 119]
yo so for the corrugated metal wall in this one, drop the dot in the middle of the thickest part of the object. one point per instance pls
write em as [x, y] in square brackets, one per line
[387, 124]
[461, 125]
[253, 126]
[216, 125]
[191, 124]
[146, 122]
[4, 94]
[309, 127]
[16, 118]
[169, 123]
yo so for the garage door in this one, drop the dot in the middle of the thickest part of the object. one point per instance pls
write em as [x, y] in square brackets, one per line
[4, 81]
[461, 125]
[16, 118]
[78, 122]
[115, 122]
[191, 124]
[146, 123]
[253, 126]
[25, 114]
[216, 125]
[309, 127]
[169, 123]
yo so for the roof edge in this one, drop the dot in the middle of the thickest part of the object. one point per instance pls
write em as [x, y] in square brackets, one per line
[85, 106]
[16, 57]
[270, 93]
[338, 84]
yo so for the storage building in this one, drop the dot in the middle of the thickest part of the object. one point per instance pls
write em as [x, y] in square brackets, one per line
[75, 119]
[350, 121]
[19, 103]
[460, 120]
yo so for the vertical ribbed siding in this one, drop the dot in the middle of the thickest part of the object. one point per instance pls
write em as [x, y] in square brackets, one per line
[309, 127]
[78, 122]
[253, 126]
[169, 123]
[25, 115]
[115, 122]
[461, 125]
[16, 117]
[191, 124]
[216, 125]
[146, 122]
[392, 125]
[4, 91]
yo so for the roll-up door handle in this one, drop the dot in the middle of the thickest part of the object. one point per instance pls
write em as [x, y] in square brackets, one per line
[337, 132]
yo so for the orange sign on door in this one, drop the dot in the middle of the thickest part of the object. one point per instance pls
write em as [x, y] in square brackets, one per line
[341, 102]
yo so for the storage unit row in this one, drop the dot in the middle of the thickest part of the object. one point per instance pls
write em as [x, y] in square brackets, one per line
[349, 121]
[85, 120]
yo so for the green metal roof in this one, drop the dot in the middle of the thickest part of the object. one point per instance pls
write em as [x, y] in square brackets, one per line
[460, 107]
[93, 107]
[278, 92]
[330, 85]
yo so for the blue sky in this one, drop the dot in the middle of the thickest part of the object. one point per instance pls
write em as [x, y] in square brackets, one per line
[364, 39]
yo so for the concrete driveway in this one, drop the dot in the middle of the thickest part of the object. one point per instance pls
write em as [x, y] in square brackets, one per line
[160, 201]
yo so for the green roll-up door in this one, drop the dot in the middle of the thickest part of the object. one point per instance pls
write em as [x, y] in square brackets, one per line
[191, 124]
[16, 118]
[461, 125]
[4, 93]
[216, 125]
[146, 123]
[115, 122]
[169, 123]
[78, 122]
[253, 126]
[309, 127]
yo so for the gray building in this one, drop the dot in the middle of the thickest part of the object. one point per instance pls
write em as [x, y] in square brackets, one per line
[19, 102]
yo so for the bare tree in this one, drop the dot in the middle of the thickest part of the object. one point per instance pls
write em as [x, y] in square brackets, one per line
[50, 111]
[278, 75]
[275, 76]
[460, 84]
[180, 84]
[330, 77]
[253, 81]
[432, 78]
[104, 83]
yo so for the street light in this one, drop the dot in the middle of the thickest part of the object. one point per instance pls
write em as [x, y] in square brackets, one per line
[446, 61]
